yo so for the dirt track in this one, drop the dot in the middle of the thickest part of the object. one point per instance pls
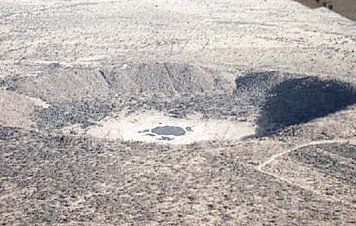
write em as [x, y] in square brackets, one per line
[281, 154]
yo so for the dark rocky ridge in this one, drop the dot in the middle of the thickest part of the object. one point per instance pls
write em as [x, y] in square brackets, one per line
[79, 112]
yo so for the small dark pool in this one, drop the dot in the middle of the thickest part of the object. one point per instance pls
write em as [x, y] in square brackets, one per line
[169, 130]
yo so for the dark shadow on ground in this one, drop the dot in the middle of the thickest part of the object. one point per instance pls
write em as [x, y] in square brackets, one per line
[346, 8]
[300, 100]
[254, 86]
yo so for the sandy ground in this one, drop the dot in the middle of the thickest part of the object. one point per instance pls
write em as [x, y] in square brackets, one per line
[234, 35]
[70, 69]
[18, 110]
[130, 128]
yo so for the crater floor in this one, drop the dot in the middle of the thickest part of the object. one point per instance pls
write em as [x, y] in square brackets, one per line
[157, 127]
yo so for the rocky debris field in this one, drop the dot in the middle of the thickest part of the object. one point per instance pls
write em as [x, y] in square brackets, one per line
[53, 179]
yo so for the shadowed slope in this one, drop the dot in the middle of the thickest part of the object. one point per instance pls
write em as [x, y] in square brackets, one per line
[300, 100]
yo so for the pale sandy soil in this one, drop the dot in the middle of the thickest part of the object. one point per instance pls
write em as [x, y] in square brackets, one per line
[233, 35]
[130, 128]
[18, 110]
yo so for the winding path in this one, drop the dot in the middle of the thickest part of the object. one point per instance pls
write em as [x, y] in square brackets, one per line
[273, 157]
[278, 177]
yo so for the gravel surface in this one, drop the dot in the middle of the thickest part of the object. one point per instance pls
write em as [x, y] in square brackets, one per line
[84, 113]
[68, 68]
[54, 179]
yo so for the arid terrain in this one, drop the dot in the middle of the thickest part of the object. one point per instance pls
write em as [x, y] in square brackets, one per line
[179, 112]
